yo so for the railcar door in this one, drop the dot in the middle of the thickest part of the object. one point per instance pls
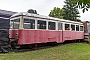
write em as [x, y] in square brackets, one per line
[60, 28]
[14, 27]
[67, 32]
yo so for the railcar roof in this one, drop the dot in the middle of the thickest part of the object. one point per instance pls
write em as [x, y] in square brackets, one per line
[42, 16]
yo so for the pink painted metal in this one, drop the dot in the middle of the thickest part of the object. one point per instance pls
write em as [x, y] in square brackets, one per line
[80, 35]
[73, 35]
[37, 36]
[13, 34]
[44, 36]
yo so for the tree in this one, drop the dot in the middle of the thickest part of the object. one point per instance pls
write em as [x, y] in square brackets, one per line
[70, 11]
[56, 12]
[78, 20]
[82, 4]
[32, 11]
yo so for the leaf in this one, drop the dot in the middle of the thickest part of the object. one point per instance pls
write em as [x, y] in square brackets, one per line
[71, 12]
[57, 12]
[87, 9]
[83, 10]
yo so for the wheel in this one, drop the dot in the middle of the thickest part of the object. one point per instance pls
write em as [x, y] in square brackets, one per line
[13, 45]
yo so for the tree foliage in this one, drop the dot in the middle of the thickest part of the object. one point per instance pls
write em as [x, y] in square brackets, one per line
[82, 4]
[56, 12]
[70, 11]
[78, 20]
[32, 11]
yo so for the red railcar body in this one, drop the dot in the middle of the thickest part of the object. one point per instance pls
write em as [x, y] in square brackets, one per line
[33, 36]
[36, 36]
[72, 35]
[43, 36]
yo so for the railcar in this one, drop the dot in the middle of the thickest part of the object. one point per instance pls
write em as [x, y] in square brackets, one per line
[28, 28]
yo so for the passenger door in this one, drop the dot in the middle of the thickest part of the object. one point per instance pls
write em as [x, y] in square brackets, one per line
[66, 32]
[60, 29]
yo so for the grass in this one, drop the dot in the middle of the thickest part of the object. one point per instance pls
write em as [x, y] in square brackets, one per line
[78, 51]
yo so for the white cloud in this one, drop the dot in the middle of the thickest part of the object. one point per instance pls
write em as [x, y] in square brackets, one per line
[85, 15]
[43, 7]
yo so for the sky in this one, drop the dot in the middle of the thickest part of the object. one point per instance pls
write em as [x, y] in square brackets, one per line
[43, 7]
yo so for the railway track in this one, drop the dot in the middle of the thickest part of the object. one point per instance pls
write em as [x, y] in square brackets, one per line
[44, 46]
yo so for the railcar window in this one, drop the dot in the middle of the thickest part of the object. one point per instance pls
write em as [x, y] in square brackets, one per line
[67, 27]
[60, 26]
[73, 27]
[16, 23]
[11, 24]
[81, 28]
[77, 27]
[41, 24]
[51, 25]
[29, 24]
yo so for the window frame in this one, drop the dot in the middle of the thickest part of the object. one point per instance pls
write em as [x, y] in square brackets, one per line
[17, 23]
[55, 24]
[82, 28]
[45, 24]
[74, 27]
[36, 19]
[29, 17]
[62, 26]
[28, 23]
[13, 22]
[69, 27]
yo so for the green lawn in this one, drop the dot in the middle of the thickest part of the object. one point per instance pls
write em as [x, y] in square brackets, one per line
[78, 51]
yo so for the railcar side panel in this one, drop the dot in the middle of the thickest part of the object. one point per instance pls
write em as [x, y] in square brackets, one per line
[37, 36]
[13, 34]
[80, 35]
[66, 35]
[73, 35]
